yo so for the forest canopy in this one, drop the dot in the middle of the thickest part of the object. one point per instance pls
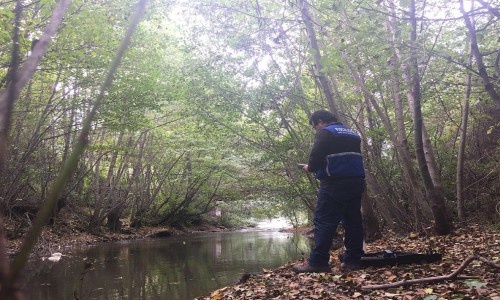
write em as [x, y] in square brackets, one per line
[209, 109]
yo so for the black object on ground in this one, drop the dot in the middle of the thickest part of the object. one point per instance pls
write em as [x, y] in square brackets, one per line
[392, 258]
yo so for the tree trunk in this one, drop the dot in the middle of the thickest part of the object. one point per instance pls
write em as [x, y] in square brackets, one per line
[94, 222]
[442, 222]
[313, 43]
[430, 157]
[142, 192]
[409, 172]
[378, 197]
[69, 136]
[461, 146]
[405, 157]
[474, 48]
[370, 221]
[118, 195]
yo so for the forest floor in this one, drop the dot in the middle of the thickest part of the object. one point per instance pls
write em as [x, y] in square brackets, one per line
[469, 269]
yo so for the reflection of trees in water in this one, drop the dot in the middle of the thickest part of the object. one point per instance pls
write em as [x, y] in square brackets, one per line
[262, 248]
[171, 268]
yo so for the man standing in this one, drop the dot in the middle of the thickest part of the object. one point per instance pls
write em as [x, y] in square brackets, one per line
[336, 160]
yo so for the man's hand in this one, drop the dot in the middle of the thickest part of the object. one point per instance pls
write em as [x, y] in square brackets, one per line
[304, 167]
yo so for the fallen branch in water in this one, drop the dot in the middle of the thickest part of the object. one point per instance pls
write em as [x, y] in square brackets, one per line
[452, 276]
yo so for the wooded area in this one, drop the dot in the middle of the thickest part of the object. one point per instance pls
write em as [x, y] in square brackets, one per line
[118, 117]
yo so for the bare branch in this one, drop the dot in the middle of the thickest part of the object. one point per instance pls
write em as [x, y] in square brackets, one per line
[452, 276]
[488, 86]
[490, 9]
[28, 69]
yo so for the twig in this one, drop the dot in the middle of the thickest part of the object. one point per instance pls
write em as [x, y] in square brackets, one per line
[452, 276]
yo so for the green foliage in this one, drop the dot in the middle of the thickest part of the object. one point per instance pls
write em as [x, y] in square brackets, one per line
[212, 102]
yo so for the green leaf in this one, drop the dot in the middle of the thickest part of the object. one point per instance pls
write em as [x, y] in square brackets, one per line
[490, 130]
[6, 13]
[474, 283]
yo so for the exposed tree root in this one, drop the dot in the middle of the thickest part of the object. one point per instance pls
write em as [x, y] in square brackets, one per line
[452, 276]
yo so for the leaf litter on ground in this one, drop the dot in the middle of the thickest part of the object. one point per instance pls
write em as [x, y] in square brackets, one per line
[283, 283]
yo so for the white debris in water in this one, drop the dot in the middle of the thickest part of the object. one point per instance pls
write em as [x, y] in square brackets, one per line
[55, 257]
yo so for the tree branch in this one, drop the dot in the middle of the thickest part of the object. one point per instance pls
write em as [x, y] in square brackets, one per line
[452, 276]
[490, 9]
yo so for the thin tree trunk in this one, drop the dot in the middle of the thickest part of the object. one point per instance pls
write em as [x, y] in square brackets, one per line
[399, 107]
[313, 42]
[113, 185]
[442, 222]
[370, 221]
[371, 224]
[68, 137]
[142, 192]
[376, 141]
[379, 200]
[18, 80]
[94, 223]
[463, 141]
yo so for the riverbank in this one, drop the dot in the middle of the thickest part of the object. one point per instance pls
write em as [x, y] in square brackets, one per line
[474, 278]
[64, 238]
[68, 233]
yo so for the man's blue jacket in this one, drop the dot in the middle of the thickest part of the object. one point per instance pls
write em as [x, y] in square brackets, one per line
[336, 154]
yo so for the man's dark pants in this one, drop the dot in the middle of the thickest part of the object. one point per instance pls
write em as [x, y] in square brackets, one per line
[338, 201]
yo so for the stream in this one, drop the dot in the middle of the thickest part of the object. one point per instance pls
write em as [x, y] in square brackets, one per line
[171, 268]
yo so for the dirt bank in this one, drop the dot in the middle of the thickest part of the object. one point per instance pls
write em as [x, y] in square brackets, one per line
[65, 239]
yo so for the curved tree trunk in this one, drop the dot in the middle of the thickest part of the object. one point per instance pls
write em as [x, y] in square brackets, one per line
[474, 48]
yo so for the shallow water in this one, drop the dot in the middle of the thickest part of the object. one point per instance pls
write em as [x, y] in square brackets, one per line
[169, 268]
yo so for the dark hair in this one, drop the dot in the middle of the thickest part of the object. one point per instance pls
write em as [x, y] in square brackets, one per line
[321, 116]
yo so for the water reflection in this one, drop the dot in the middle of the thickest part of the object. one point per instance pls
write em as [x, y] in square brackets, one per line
[170, 268]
